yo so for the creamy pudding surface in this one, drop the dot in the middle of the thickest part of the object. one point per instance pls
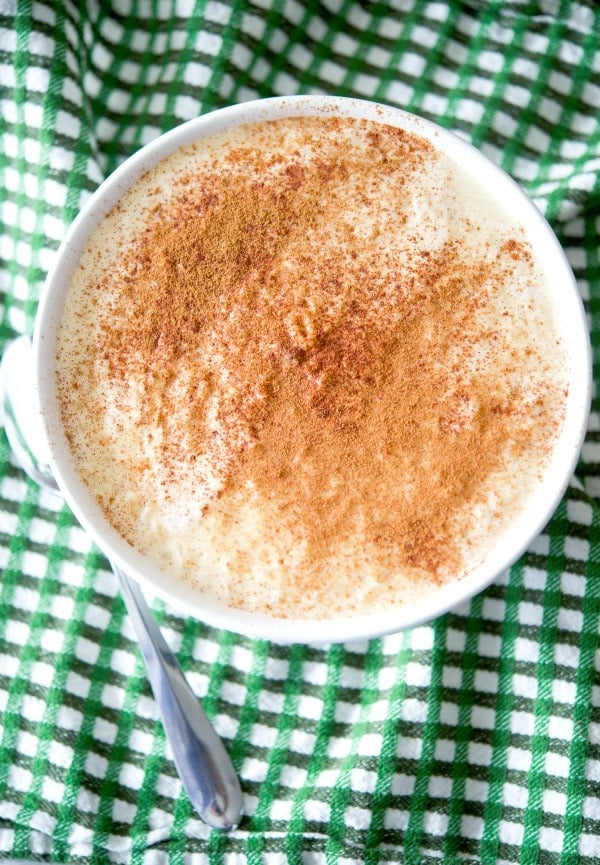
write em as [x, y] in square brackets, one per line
[309, 367]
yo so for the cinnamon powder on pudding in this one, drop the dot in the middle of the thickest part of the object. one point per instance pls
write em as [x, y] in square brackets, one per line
[298, 338]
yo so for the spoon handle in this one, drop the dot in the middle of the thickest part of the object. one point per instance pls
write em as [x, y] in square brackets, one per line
[202, 762]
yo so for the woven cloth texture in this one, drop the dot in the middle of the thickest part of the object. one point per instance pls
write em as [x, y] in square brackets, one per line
[474, 738]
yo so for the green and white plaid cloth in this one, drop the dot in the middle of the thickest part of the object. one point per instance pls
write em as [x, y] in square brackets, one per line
[475, 738]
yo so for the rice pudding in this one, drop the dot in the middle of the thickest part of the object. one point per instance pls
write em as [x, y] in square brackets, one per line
[310, 367]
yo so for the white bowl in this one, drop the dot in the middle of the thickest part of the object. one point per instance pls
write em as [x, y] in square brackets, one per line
[539, 507]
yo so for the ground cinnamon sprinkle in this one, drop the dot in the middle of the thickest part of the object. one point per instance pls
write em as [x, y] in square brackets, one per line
[355, 385]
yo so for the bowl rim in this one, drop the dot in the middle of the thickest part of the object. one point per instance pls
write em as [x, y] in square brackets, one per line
[182, 596]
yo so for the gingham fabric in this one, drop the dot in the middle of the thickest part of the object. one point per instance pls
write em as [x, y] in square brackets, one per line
[475, 738]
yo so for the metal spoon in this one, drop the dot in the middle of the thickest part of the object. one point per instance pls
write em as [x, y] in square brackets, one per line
[202, 762]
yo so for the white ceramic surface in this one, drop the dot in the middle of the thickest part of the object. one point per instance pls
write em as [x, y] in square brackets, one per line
[541, 506]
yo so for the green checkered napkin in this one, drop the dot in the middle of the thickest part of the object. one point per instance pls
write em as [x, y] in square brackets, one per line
[475, 738]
